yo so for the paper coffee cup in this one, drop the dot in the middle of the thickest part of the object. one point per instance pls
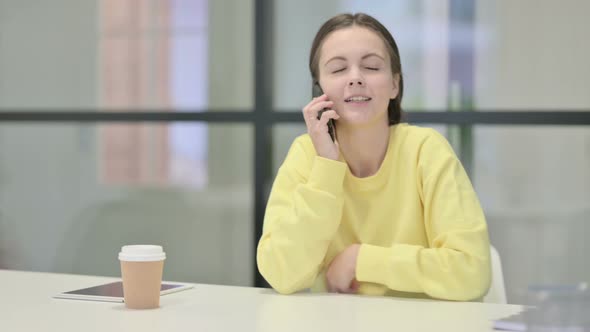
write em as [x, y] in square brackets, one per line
[141, 270]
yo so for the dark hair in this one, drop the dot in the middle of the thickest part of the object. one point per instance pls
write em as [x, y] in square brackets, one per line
[394, 109]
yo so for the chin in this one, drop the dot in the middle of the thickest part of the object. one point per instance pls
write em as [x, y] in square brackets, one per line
[361, 118]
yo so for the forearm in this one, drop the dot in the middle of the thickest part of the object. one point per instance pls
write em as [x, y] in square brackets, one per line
[458, 269]
[299, 227]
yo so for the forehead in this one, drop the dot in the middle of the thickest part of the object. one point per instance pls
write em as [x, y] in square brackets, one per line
[351, 42]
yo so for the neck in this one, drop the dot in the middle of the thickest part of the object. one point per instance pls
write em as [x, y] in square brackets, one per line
[364, 148]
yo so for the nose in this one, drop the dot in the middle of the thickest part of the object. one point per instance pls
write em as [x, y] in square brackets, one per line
[356, 77]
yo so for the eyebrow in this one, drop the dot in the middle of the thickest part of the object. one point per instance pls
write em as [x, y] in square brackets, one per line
[363, 58]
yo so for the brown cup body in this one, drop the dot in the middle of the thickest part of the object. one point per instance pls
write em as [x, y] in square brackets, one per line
[141, 283]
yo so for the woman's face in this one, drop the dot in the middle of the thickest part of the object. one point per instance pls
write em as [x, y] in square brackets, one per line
[355, 73]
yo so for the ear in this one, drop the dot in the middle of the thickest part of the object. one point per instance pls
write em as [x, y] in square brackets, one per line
[395, 89]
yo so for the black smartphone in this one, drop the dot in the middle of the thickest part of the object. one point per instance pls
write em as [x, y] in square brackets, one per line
[316, 92]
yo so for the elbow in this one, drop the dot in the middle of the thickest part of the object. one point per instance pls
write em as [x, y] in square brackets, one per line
[470, 282]
[478, 277]
[283, 289]
[474, 281]
[277, 276]
[474, 288]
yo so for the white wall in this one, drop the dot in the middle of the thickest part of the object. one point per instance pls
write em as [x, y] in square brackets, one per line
[537, 56]
[534, 182]
[48, 54]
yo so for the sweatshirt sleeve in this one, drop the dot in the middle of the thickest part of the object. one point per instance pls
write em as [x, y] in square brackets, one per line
[456, 264]
[302, 215]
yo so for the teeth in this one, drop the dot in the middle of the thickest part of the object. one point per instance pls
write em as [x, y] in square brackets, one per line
[358, 99]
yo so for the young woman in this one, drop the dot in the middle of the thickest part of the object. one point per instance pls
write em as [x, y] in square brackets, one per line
[383, 209]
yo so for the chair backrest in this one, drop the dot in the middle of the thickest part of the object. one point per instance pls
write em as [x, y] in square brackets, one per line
[497, 292]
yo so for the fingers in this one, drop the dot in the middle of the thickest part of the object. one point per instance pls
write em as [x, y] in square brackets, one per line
[352, 288]
[323, 97]
[317, 114]
[314, 101]
[316, 109]
[325, 116]
[310, 111]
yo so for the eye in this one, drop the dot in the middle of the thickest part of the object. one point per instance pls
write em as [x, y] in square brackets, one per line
[372, 68]
[338, 70]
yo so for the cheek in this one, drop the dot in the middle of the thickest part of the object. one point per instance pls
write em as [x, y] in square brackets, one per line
[334, 89]
[384, 83]
[384, 87]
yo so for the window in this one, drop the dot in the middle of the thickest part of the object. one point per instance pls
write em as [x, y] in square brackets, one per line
[153, 56]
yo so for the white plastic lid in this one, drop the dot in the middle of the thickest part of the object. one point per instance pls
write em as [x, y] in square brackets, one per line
[142, 253]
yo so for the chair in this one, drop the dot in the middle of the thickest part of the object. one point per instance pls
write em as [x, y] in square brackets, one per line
[497, 292]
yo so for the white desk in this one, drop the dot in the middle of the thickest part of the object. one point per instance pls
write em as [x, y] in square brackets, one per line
[26, 304]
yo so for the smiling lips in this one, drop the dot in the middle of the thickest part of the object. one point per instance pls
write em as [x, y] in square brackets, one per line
[357, 99]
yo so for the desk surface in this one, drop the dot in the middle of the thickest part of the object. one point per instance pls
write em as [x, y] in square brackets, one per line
[26, 304]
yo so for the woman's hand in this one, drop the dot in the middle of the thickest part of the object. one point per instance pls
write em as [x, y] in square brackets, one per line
[340, 277]
[318, 129]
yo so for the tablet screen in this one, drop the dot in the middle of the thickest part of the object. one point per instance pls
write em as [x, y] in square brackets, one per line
[113, 292]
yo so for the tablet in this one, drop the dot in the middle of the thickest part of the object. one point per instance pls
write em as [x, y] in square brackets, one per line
[113, 292]
[515, 322]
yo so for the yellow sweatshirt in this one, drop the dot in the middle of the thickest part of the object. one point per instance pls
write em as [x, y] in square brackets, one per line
[418, 220]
